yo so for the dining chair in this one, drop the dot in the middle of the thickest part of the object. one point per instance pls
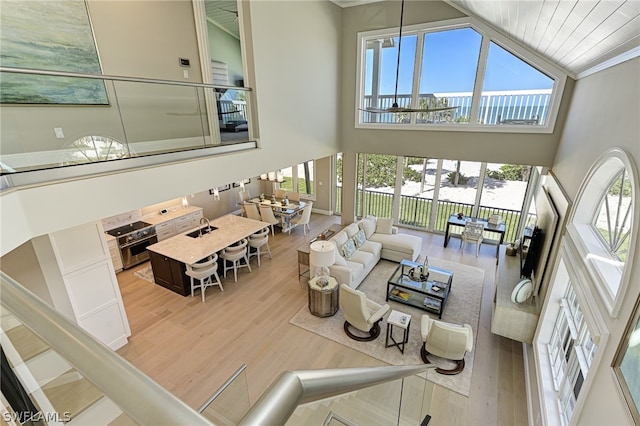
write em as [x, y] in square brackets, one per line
[252, 211]
[294, 196]
[280, 193]
[203, 272]
[266, 212]
[234, 254]
[257, 241]
[303, 219]
[472, 233]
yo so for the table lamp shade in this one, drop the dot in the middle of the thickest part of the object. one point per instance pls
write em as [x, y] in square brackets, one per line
[322, 255]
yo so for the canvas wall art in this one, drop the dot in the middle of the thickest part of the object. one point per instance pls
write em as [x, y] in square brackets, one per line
[53, 36]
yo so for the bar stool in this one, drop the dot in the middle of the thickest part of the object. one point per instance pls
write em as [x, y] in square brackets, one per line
[257, 241]
[234, 254]
[203, 272]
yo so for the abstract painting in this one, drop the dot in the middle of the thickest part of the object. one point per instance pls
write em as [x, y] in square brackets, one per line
[49, 35]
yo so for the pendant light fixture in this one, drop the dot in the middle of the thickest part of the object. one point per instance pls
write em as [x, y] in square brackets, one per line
[395, 108]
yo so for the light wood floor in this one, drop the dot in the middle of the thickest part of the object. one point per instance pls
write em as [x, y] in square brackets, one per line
[191, 348]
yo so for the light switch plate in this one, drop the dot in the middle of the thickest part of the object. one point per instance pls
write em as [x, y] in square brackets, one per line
[59, 133]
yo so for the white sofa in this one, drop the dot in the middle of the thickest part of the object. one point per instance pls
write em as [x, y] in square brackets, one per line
[381, 240]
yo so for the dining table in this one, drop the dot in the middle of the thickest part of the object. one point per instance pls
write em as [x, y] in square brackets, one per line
[282, 208]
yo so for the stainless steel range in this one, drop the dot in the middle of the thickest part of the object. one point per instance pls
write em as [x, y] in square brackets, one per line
[133, 240]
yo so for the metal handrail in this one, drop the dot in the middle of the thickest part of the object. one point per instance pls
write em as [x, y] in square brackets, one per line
[224, 387]
[292, 388]
[141, 398]
[118, 78]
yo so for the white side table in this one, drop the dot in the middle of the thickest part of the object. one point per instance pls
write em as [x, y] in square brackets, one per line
[323, 301]
[400, 320]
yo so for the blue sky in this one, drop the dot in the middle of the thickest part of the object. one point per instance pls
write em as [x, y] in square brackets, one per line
[449, 65]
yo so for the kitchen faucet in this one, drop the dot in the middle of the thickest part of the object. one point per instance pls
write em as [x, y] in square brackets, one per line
[208, 225]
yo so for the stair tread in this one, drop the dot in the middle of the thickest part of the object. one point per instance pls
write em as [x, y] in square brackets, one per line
[123, 420]
[26, 343]
[70, 395]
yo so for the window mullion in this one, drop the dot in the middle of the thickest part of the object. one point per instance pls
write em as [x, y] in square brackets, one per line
[477, 87]
[417, 72]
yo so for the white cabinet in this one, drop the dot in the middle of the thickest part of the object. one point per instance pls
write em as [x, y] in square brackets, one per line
[79, 272]
[114, 251]
[187, 221]
[165, 230]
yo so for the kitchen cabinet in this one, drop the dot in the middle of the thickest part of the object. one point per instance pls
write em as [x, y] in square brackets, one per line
[114, 251]
[165, 230]
[188, 221]
[170, 273]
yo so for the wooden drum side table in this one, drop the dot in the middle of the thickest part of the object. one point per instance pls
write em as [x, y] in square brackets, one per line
[323, 301]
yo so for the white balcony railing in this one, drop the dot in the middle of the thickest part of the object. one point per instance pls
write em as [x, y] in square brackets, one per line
[513, 107]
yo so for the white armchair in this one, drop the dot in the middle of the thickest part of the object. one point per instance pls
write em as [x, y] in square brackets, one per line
[450, 341]
[361, 313]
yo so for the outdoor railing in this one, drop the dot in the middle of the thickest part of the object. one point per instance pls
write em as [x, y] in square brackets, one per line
[415, 212]
[513, 107]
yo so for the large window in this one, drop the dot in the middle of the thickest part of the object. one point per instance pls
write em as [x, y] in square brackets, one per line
[299, 178]
[424, 192]
[603, 222]
[570, 351]
[458, 63]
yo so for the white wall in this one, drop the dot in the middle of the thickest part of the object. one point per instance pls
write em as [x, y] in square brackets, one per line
[297, 83]
[605, 112]
[510, 148]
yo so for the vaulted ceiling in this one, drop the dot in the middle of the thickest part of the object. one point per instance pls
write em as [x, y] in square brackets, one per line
[577, 35]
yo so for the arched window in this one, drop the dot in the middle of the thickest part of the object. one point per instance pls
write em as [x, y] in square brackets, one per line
[92, 149]
[602, 224]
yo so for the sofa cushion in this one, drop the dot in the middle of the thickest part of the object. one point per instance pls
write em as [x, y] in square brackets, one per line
[372, 247]
[398, 242]
[368, 225]
[340, 238]
[348, 248]
[352, 229]
[339, 260]
[363, 257]
[360, 238]
[384, 225]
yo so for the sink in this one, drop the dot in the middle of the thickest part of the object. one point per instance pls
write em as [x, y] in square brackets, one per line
[204, 231]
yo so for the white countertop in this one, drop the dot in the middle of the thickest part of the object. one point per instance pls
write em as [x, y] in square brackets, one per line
[189, 250]
[157, 218]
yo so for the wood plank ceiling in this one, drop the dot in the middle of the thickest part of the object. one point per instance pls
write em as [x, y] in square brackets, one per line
[577, 35]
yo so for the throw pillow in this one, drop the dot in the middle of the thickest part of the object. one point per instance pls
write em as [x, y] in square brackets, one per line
[360, 238]
[340, 238]
[522, 291]
[348, 248]
[368, 225]
[351, 230]
[384, 225]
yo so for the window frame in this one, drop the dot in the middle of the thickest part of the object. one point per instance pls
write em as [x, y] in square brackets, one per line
[295, 177]
[610, 281]
[488, 35]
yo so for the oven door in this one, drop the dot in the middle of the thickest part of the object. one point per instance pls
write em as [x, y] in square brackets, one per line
[136, 252]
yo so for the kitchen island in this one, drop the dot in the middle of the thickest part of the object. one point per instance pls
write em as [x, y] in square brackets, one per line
[170, 257]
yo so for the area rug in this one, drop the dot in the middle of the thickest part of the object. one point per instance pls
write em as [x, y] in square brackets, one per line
[146, 273]
[463, 307]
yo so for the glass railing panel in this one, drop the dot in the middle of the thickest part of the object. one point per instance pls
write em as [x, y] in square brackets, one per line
[84, 119]
[41, 386]
[233, 114]
[161, 117]
[231, 402]
[374, 405]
